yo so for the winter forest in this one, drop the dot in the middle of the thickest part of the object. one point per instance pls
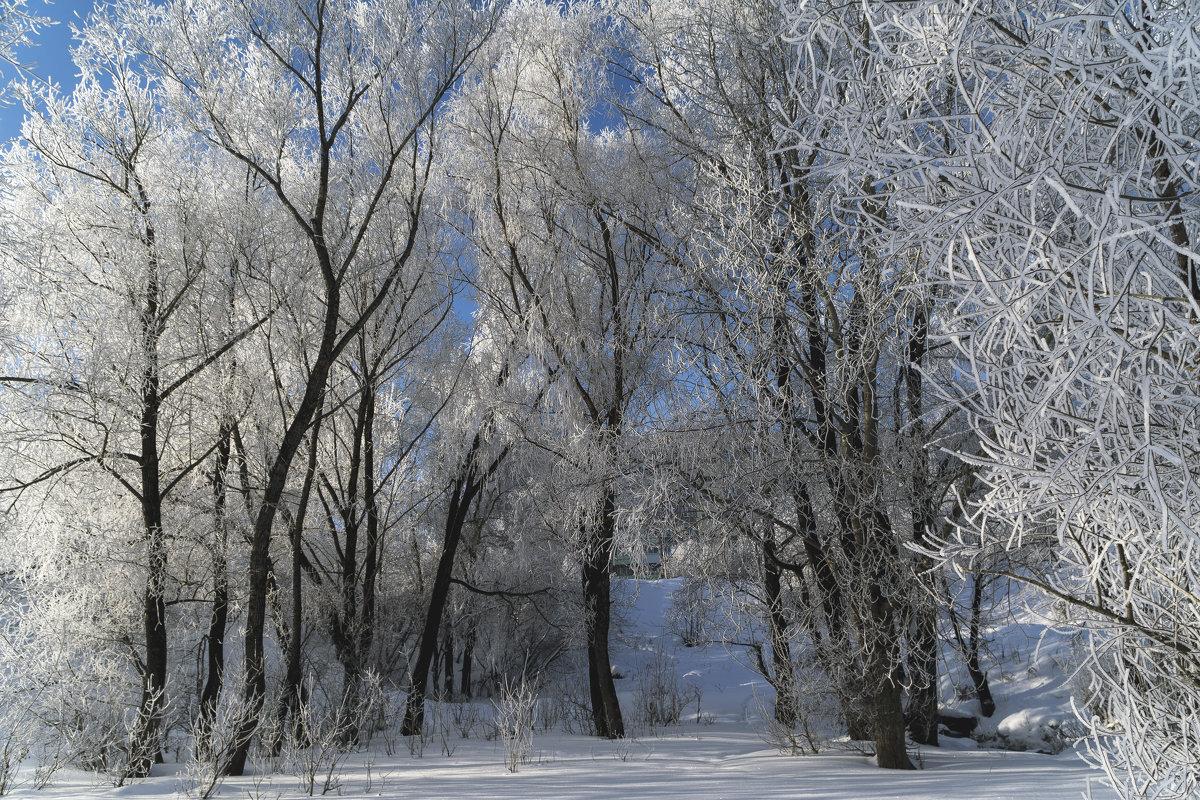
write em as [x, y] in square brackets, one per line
[373, 372]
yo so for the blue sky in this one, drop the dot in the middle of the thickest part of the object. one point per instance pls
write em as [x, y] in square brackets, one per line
[51, 54]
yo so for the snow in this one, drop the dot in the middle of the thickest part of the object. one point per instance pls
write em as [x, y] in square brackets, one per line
[1031, 670]
[712, 754]
[711, 764]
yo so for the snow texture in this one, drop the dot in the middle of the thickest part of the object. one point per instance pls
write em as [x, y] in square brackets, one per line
[719, 756]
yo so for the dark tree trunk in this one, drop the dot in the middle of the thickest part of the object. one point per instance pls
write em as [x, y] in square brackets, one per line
[880, 656]
[354, 632]
[366, 632]
[881, 647]
[891, 750]
[260, 540]
[784, 678]
[448, 662]
[145, 748]
[979, 678]
[467, 656]
[462, 494]
[219, 616]
[291, 695]
[922, 674]
[597, 604]
[838, 654]
[346, 622]
[922, 614]
[144, 745]
[435, 670]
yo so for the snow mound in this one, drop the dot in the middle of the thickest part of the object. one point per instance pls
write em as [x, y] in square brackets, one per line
[1042, 730]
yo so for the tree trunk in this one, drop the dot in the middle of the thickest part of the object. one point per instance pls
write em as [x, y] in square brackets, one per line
[467, 656]
[979, 678]
[891, 750]
[922, 622]
[145, 749]
[448, 662]
[291, 695]
[922, 673]
[260, 541]
[784, 678]
[463, 492]
[881, 656]
[435, 671]
[597, 603]
[219, 617]
[838, 655]
[366, 631]
[346, 622]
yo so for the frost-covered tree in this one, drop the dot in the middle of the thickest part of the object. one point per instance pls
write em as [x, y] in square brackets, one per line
[363, 452]
[555, 202]
[115, 272]
[1039, 160]
[19, 26]
[487, 400]
[334, 109]
[807, 343]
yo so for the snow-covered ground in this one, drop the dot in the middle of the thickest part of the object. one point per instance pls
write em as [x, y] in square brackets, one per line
[713, 763]
[714, 752]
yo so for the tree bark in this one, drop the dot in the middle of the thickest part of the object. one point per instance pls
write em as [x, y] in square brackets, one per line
[366, 633]
[880, 655]
[292, 694]
[219, 616]
[881, 645]
[448, 661]
[145, 749]
[784, 678]
[347, 626]
[597, 604]
[462, 493]
[260, 542]
[979, 678]
[922, 674]
[922, 614]
[837, 655]
[465, 677]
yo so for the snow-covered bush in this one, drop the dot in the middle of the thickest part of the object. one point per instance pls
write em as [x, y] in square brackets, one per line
[69, 673]
[213, 743]
[661, 696]
[689, 612]
[15, 736]
[817, 717]
[514, 714]
[323, 736]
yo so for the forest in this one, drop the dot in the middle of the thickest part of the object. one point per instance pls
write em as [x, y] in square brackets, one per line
[355, 353]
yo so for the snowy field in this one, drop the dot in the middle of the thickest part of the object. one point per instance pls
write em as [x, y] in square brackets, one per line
[718, 762]
[715, 751]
